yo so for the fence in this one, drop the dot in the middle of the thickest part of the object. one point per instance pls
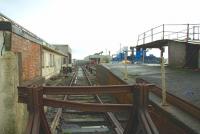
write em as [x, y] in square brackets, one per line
[179, 32]
[139, 122]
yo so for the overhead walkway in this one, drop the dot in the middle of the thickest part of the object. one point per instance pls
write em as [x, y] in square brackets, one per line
[159, 36]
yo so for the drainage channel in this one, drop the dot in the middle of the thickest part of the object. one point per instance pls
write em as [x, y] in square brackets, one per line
[77, 122]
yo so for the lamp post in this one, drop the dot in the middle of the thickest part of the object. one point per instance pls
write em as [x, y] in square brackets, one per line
[125, 70]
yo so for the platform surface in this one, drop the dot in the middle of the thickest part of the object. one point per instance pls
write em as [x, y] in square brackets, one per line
[183, 83]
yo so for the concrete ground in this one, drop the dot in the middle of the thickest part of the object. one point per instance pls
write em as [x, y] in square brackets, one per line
[183, 83]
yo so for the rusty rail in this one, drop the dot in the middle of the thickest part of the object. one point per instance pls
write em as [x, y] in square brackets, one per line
[111, 117]
[33, 97]
[59, 112]
[87, 107]
[176, 101]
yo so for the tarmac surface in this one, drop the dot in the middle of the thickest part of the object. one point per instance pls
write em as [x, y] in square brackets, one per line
[183, 83]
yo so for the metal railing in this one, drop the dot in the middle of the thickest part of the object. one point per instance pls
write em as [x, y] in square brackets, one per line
[178, 32]
[139, 121]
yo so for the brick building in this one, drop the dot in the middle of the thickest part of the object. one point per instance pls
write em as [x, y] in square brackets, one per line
[24, 59]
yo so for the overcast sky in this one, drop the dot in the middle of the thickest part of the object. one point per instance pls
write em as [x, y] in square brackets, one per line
[91, 26]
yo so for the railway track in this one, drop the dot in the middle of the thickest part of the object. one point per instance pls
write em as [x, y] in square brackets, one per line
[70, 121]
[60, 100]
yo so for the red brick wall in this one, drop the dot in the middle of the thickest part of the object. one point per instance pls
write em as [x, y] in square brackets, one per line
[31, 57]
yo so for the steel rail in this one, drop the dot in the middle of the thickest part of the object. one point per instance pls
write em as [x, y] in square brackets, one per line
[56, 119]
[118, 128]
[93, 107]
[87, 89]
[37, 102]
[87, 106]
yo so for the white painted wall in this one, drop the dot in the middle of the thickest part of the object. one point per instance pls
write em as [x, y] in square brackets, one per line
[1, 40]
[50, 70]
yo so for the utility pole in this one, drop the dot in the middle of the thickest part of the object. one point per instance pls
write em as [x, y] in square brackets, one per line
[143, 54]
[132, 54]
[120, 51]
[164, 103]
[125, 70]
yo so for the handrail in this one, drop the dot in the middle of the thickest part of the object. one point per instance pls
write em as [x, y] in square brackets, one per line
[33, 97]
[170, 31]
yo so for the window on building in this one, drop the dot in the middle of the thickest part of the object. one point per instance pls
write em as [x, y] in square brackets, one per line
[50, 60]
[46, 59]
[43, 64]
[64, 60]
[54, 61]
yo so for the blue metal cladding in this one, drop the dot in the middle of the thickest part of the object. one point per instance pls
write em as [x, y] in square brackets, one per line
[138, 57]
